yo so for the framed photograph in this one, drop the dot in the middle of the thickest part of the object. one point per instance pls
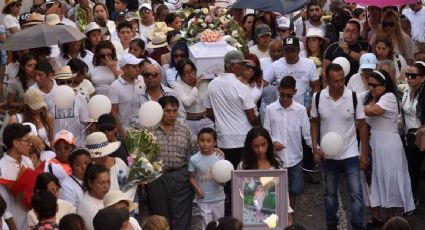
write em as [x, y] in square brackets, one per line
[260, 198]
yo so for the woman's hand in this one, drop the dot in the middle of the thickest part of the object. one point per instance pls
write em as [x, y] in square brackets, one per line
[111, 63]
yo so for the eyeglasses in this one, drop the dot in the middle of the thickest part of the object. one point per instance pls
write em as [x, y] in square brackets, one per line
[104, 55]
[387, 24]
[251, 67]
[179, 55]
[150, 75]
[372, 86]
[286, 95]
[412, 75]
[64, 82]
[145, 11]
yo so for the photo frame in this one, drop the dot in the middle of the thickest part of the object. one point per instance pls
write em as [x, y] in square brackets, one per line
[260, 198]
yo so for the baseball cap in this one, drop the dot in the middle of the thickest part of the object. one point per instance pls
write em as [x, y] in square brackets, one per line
[263, 29]
[145, 5]
[129, 59]
[234, 56]
[291, 41]
[283, 23]
[368, 61]
[65, 135]
[34, 99]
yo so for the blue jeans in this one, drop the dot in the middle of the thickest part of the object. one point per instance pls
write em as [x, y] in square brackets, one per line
[351, 168]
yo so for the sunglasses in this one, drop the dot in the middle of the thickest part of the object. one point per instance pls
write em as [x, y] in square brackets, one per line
[105, 55]
[145, 11]
[286, 95]
[251, 67]
[372, 86]
[150, 75]
[387, 24]
[179, 55]
[412, 75]
[64, 82]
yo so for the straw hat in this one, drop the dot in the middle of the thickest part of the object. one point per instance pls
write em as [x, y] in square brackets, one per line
[34, 19]
[159, 39]
[98, 145]
[34, 99]
[159, 27]
[94, 26]
[52, 19]
[115, 196]
[62, 73]
[130, 16]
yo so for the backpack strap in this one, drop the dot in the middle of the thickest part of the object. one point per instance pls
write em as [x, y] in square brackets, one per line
[397, 58]
[317, 98]
[354, 95]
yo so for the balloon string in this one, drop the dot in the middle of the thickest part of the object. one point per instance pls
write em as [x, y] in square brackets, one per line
[84, 130]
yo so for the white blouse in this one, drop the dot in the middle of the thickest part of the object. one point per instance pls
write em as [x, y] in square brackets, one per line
[408, 105]
[192, 98]
[88, 208]
[72, 190]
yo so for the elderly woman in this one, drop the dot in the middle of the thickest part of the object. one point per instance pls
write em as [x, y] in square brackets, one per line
[390, 187]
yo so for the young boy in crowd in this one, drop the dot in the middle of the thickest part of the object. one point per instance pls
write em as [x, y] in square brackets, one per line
[209, 193]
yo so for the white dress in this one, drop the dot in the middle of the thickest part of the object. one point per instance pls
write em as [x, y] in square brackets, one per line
[390, 186]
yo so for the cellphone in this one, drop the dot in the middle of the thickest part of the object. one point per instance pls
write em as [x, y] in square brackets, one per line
[341, 38]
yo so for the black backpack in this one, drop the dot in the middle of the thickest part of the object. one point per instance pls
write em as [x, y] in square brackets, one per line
[354, 96]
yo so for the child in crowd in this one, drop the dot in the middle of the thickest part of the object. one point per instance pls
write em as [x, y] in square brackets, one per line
[210, 194]
[45, 206]
[72, 222]
[155, 222]
[225, 223]
[80, 82]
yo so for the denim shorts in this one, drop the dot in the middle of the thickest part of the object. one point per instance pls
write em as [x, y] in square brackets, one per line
[296, 179]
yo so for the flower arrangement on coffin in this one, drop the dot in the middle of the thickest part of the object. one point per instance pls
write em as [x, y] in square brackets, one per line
[213, 19]
[318, 64]
[144, 164]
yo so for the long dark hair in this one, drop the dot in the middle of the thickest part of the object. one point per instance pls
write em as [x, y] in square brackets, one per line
[249, 159]
[178, 46]
[389, 86]
[103, 45]
[65, 50]
[43, 180]
[258, 75]
[22, 76]
[181, 64]
[92, 171]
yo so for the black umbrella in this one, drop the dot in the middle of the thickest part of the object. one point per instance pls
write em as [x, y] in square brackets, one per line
[281, 6]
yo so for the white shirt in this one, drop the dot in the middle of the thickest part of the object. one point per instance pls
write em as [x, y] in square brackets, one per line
[304, 72]
[286, 127]
[9, 21]
[11, 72]
[338, 116]
[260, 54]
[71, 191]
[88, 208]
[229, 98]
[85, 88]
[9, 170]
[64, 208]
[308, 25]
[68, 22]
[144, 30]
[356, 84]
[193, 99]
[172, 77]
[102, 77]
[88, 59]
[111, 26]
[417, 19]
[408, 105]
[124, 94]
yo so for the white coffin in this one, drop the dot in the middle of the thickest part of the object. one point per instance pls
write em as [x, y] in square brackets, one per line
[209, 57]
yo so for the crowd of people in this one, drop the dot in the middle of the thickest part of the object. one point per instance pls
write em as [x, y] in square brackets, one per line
[270, 107]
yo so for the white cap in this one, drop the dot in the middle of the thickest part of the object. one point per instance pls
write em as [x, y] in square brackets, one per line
[129, 59]
[283, 22]
[368, 61]
[52, 19]
[145, 5]
[33, 128]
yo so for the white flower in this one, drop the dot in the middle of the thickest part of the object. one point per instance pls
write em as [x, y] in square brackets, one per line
[200, 20]
[235, 34]
[204, 25]
[211, 26]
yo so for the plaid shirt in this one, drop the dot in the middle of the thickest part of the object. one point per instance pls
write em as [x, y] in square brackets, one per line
[176, 148]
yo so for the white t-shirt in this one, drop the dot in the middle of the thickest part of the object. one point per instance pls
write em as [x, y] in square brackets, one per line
[338, 116]
[260, 54]
[71, 190]
[356, 84]
[304, 72]
[88, 59]
[102, 77]
[9, 21]
[144, 30]
[85, 88]
[418, 24]
[308, 25]
[68, 22]
[88, 208]
[229, 98]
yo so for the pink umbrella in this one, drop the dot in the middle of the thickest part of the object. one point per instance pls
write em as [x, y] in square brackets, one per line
[382, 3]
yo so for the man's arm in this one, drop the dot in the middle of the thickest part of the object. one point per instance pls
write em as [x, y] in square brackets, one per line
[326, 62]
[252, 118]
[364, 142]
[317, 153]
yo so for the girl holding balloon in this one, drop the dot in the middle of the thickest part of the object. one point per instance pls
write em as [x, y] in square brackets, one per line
[390, 186]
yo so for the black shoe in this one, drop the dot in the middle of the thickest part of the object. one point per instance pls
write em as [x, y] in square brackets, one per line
[332, 227]
[374, 223]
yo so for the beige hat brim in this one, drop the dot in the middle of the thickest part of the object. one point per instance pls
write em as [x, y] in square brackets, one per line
[38, 105]
[153, 46]
[105, 151]
[64, 76]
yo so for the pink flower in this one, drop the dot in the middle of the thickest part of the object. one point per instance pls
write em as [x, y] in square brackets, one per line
[130, 161]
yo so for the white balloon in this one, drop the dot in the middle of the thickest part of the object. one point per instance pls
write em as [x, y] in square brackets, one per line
[344, 63]
[63, 96]
[332, 144]
[222, 171]
[99, 105]
[150, 113]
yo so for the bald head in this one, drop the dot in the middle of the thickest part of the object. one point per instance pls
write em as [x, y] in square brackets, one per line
[276, 49]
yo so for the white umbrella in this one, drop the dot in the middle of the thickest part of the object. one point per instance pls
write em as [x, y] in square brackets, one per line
[42, 35]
